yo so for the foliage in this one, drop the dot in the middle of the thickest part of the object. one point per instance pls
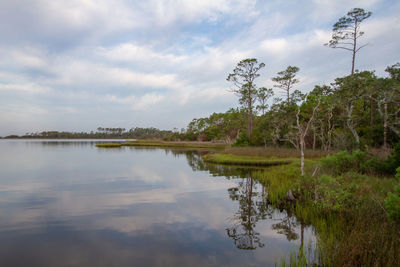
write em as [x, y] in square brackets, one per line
[242, 140]
[358, 161]
[346, 32]
[392, 201]
[243, 78]
[223, 158]
[286, 79]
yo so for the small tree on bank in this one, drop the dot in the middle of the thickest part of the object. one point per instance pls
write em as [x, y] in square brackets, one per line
[243, 76]
[346, 32]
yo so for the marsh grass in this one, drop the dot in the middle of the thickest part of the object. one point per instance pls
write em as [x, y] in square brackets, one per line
[349, 219]
[222, 158]
[109, 145]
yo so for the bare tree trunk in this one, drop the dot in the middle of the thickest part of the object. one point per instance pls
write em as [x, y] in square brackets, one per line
[385, 125]
[250, 118]
[354, 48]
[302, 132]
[302, 154]
[314, 138]
[350, 125]
[330, 129]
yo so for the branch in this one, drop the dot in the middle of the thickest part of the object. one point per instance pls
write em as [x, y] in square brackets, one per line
[361, 47]
[345, 48]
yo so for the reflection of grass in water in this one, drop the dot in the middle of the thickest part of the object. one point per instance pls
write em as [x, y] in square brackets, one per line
[109, 145]
[244, 160]
[346, 211]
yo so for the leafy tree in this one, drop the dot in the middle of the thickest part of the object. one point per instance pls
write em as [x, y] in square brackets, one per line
[243, 77]
[286, 79]
[350, 91]
[346, 32]
[263, 95]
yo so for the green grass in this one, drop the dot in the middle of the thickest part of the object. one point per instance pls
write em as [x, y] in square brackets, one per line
[231, 159]
[109, 145]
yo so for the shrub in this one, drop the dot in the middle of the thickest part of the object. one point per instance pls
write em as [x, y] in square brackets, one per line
[242, 140]
[393, 161]
[392, 201]
[359, 161]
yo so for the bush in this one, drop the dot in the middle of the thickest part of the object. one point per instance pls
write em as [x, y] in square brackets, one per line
[242, 140]
[392, 201]
[393, 162]
[343, 162]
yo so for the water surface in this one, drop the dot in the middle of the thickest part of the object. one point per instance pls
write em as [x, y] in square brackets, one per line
[69, 203]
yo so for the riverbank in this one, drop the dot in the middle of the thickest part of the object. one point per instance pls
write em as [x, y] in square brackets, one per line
[242, 160]
[342, 196]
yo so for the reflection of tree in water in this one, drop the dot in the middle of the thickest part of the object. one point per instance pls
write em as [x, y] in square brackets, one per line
[253, 205]
[286, 226]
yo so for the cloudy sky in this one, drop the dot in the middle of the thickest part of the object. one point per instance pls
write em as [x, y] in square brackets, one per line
[80, 64]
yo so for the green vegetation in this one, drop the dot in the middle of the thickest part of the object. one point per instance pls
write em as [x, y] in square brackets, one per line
[354, 212]
[244, 160]
[103, 133]
[109, 145]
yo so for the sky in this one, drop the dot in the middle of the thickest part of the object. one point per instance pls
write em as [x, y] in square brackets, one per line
[81, 64]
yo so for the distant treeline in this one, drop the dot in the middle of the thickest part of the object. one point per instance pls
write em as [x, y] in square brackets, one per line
[103, 133]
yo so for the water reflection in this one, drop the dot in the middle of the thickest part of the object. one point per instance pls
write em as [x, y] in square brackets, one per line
[83, 206]
[253, 206]
[251, 197]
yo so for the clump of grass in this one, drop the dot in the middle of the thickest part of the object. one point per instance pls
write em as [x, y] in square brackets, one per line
[109, 145]
[279, 152]
[221, 158]
[279, 180]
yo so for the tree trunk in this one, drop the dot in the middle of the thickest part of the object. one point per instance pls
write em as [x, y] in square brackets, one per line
[385, 125]
[250, 120]
[302, 146]
[354, 48]
[349, 123]
[314, 139]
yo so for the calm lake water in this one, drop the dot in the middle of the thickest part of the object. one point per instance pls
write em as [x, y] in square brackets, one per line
[69, 203]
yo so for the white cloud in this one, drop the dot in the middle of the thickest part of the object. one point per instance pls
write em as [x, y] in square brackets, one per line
[26, 88]
[138, 103]
[131, 53]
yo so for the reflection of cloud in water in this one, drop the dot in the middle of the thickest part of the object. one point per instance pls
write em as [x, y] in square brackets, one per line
[129, 202]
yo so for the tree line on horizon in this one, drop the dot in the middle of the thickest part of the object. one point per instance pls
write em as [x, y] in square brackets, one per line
[102, 133]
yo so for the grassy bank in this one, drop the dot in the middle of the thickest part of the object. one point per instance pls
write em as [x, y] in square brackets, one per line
[347, 210]
[230, 159]
[109, 145]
